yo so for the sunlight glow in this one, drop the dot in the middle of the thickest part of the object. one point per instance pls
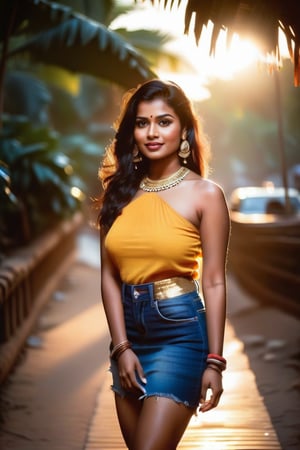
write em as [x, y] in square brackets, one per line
[198, 66]
[225, 62]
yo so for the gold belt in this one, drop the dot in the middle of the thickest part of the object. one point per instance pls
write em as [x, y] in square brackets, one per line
[172, 287]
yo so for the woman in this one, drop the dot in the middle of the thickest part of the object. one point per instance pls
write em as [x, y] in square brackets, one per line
[163, 228]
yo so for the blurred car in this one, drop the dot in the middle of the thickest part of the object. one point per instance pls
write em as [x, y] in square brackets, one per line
[264, 249]
[264, 200]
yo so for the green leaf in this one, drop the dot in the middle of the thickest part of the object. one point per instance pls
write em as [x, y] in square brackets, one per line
[78, 44]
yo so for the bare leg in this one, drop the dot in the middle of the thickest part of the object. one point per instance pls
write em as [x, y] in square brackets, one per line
[161, 424]
[128, 411]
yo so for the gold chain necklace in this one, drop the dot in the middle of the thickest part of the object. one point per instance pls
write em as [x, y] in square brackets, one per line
[149, 185]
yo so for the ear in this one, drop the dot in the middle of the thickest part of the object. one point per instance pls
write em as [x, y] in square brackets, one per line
[184, 134]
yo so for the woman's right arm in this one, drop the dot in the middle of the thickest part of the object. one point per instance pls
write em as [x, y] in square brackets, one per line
[111, 297]
[128, 362]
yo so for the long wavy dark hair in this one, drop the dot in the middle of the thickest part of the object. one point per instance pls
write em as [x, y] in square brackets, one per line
[119, 177]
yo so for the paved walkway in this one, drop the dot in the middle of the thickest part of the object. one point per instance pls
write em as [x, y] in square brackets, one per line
[240, 422]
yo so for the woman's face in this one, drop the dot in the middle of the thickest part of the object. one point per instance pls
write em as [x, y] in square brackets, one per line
[157, 131]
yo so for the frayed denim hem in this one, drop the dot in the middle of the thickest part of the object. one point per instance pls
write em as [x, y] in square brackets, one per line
[124, 394]
[171, 397]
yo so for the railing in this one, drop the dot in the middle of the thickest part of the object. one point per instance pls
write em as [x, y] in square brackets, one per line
[27, 279]
[265, 259]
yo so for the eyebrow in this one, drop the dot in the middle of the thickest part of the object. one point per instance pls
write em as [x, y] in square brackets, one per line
[161, 116]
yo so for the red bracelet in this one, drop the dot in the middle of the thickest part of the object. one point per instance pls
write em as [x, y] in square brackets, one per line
[218, 357]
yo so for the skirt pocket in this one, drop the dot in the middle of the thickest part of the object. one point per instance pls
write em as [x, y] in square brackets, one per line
[183, 308]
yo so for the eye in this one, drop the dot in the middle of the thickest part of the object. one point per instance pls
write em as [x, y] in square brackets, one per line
[141, 123]
[165, 122]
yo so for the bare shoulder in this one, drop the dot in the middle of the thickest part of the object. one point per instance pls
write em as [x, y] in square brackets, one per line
[205, 188]
[210, 203]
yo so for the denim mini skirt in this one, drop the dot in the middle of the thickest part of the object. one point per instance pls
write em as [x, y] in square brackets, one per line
[169, 337]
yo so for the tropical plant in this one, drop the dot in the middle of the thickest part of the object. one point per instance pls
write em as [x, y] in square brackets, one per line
[55, 34]
[150, 43]
[38, 187]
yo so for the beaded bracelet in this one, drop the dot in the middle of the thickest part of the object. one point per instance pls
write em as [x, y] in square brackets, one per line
[119, 349]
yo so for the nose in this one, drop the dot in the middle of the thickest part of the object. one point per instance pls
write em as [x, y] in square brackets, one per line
[152, 130]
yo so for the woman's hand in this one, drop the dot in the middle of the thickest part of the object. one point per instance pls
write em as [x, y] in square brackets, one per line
[129, 369]
[212, 379]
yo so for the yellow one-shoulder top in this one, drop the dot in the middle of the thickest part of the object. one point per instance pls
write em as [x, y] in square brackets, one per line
[151, 241]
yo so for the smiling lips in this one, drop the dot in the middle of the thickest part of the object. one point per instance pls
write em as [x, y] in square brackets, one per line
[153, 146]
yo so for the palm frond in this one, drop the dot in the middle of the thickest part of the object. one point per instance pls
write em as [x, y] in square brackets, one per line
[57, 35]
[257, 19]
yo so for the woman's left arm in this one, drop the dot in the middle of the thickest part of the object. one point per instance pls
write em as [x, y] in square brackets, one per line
[214, 232]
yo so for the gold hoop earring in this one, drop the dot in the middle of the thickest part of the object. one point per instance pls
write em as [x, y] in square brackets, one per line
[136, 157]
[184, 150]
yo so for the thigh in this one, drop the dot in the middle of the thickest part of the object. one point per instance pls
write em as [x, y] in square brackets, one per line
[128, 411]
[161, 424]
